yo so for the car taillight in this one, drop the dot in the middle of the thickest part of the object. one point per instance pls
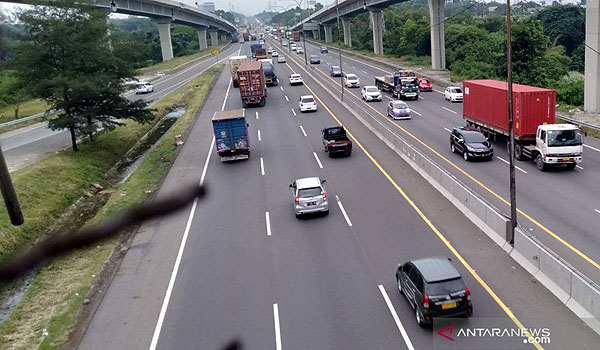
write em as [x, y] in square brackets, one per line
[426, 301]
[324, 196]
[297, 200]
[468, 293]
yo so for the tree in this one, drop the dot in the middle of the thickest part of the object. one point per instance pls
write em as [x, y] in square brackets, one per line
[11, 91]
[65, 58]
[565, 24]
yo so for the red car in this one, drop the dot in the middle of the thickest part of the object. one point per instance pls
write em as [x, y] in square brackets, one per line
[425, 85]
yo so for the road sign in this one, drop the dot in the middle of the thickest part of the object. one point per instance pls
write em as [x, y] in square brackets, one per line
[215, 52]
[310, 26]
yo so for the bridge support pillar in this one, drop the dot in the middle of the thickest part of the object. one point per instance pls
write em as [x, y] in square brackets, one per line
[347, 34]
[377, 21]
[214, 38]
[202, 39]
[591, 91]
[316, 34]
[223, 38]
[438, 42]
[328, 33]
[164, 33]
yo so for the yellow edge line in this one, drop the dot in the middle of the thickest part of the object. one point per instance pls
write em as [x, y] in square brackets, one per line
[428, 222]
[535, 222]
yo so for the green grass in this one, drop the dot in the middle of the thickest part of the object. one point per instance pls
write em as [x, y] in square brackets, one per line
[56, 295]
[177, 61]
[26, 109]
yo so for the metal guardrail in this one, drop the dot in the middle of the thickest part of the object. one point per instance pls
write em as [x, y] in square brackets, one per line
[578, 122]
[24, 119]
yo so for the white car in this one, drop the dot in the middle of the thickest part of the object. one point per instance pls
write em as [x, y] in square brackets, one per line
[143, 87]
[307, 103]
[371, 93]
[281, 59]
[309, 196]
[300, 50]
[453, 94]
[269, 51]
[293, 47]
[274, 54]
[351, 80]
[296, 79]
[284, 43]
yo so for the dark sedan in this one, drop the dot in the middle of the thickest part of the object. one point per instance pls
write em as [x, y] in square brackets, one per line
[471, 144]
[335, 71]
[314, 59]
[398, 110]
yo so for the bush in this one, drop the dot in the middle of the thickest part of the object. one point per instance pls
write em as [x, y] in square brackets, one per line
[569, 89]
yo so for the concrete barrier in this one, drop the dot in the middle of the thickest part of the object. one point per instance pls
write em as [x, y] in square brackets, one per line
[555, 275]
[526, 252]
[585, 295]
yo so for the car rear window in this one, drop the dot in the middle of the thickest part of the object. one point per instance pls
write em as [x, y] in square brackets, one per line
[309, 192]
[445, 287]
[308, 100]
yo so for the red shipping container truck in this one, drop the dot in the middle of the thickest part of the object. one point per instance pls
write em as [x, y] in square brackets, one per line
[251, 79]
[485, 102]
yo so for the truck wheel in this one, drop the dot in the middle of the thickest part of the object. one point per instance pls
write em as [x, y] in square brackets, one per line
[571, 166]
[519, 151]
[539, 161]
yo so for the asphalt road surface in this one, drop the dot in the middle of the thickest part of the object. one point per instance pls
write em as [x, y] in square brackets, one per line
[27, 145]
[238, 264]
[560, 207]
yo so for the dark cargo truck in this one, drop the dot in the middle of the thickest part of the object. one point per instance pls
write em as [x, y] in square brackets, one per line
[336, 141]
[260, 53]
[231, 134]
[269, 71]
[402, 84]
[253, 48]
[251, 78]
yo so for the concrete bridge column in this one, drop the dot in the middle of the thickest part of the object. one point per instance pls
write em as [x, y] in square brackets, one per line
[347, 34]
[202, 39]
[214, 38]
[223, 38]
[438, 42]
[377, 20]
[316, 34]
[328, 33]
[164, 33]
[591, 94]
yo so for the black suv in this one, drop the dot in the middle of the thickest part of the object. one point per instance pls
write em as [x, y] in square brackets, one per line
[324, 49]
[434, 289]
[314, 59]
[470, 143]
[335, 71]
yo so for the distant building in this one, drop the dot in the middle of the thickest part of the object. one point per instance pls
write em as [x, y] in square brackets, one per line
[208, 6]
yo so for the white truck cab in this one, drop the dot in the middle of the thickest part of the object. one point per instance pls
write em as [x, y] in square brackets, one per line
[555, 144]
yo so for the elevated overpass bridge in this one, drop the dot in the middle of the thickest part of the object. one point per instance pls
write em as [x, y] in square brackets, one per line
[165, 12]
[327, 16]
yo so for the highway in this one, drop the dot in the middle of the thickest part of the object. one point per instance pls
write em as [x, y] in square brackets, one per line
[554, 205]
[29, 144]
[239, 264]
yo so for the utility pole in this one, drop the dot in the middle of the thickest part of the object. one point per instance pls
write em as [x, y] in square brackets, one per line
[511, 132]
[303, 40]
[337, 9]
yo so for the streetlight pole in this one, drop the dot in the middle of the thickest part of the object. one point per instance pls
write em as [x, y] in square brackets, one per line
[337, 9]
[299, 3]
[511, 132]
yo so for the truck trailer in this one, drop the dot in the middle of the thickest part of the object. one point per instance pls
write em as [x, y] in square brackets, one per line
[253, 89]
[231, 134]
[402, 84]
[537, 137]
[234, 64]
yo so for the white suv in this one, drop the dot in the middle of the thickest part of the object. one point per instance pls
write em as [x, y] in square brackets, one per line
[307, 103]
[453, 94]
[351, 80]
[309, 196]
[143, 87]
[296, 79]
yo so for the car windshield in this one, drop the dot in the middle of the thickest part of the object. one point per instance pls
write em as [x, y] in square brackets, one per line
[351, 77]
[474, 137]
[294, 76]
[314, 56]
[400, 105]
[445, 287]
[557, 138]
[307, 99]
[424, 81]
[309, 192]
[335, 68]
[372, 89]
[456, 91]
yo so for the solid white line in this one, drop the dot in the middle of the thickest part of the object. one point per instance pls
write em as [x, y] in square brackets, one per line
[448, 130]
[507, 162]
[364, 71]
[167, 298]
[578, 167]
[422, 98]
[597, 211]
[277, 329]
[590, 147]
[268, 223]
[259, 135]
[262, 166]
[303, 132]
[318, 160]
[293, 111]
[417, 113]
[449, 110]
[343, 210]
[286, 98]
[281, 87]
[396, 318]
